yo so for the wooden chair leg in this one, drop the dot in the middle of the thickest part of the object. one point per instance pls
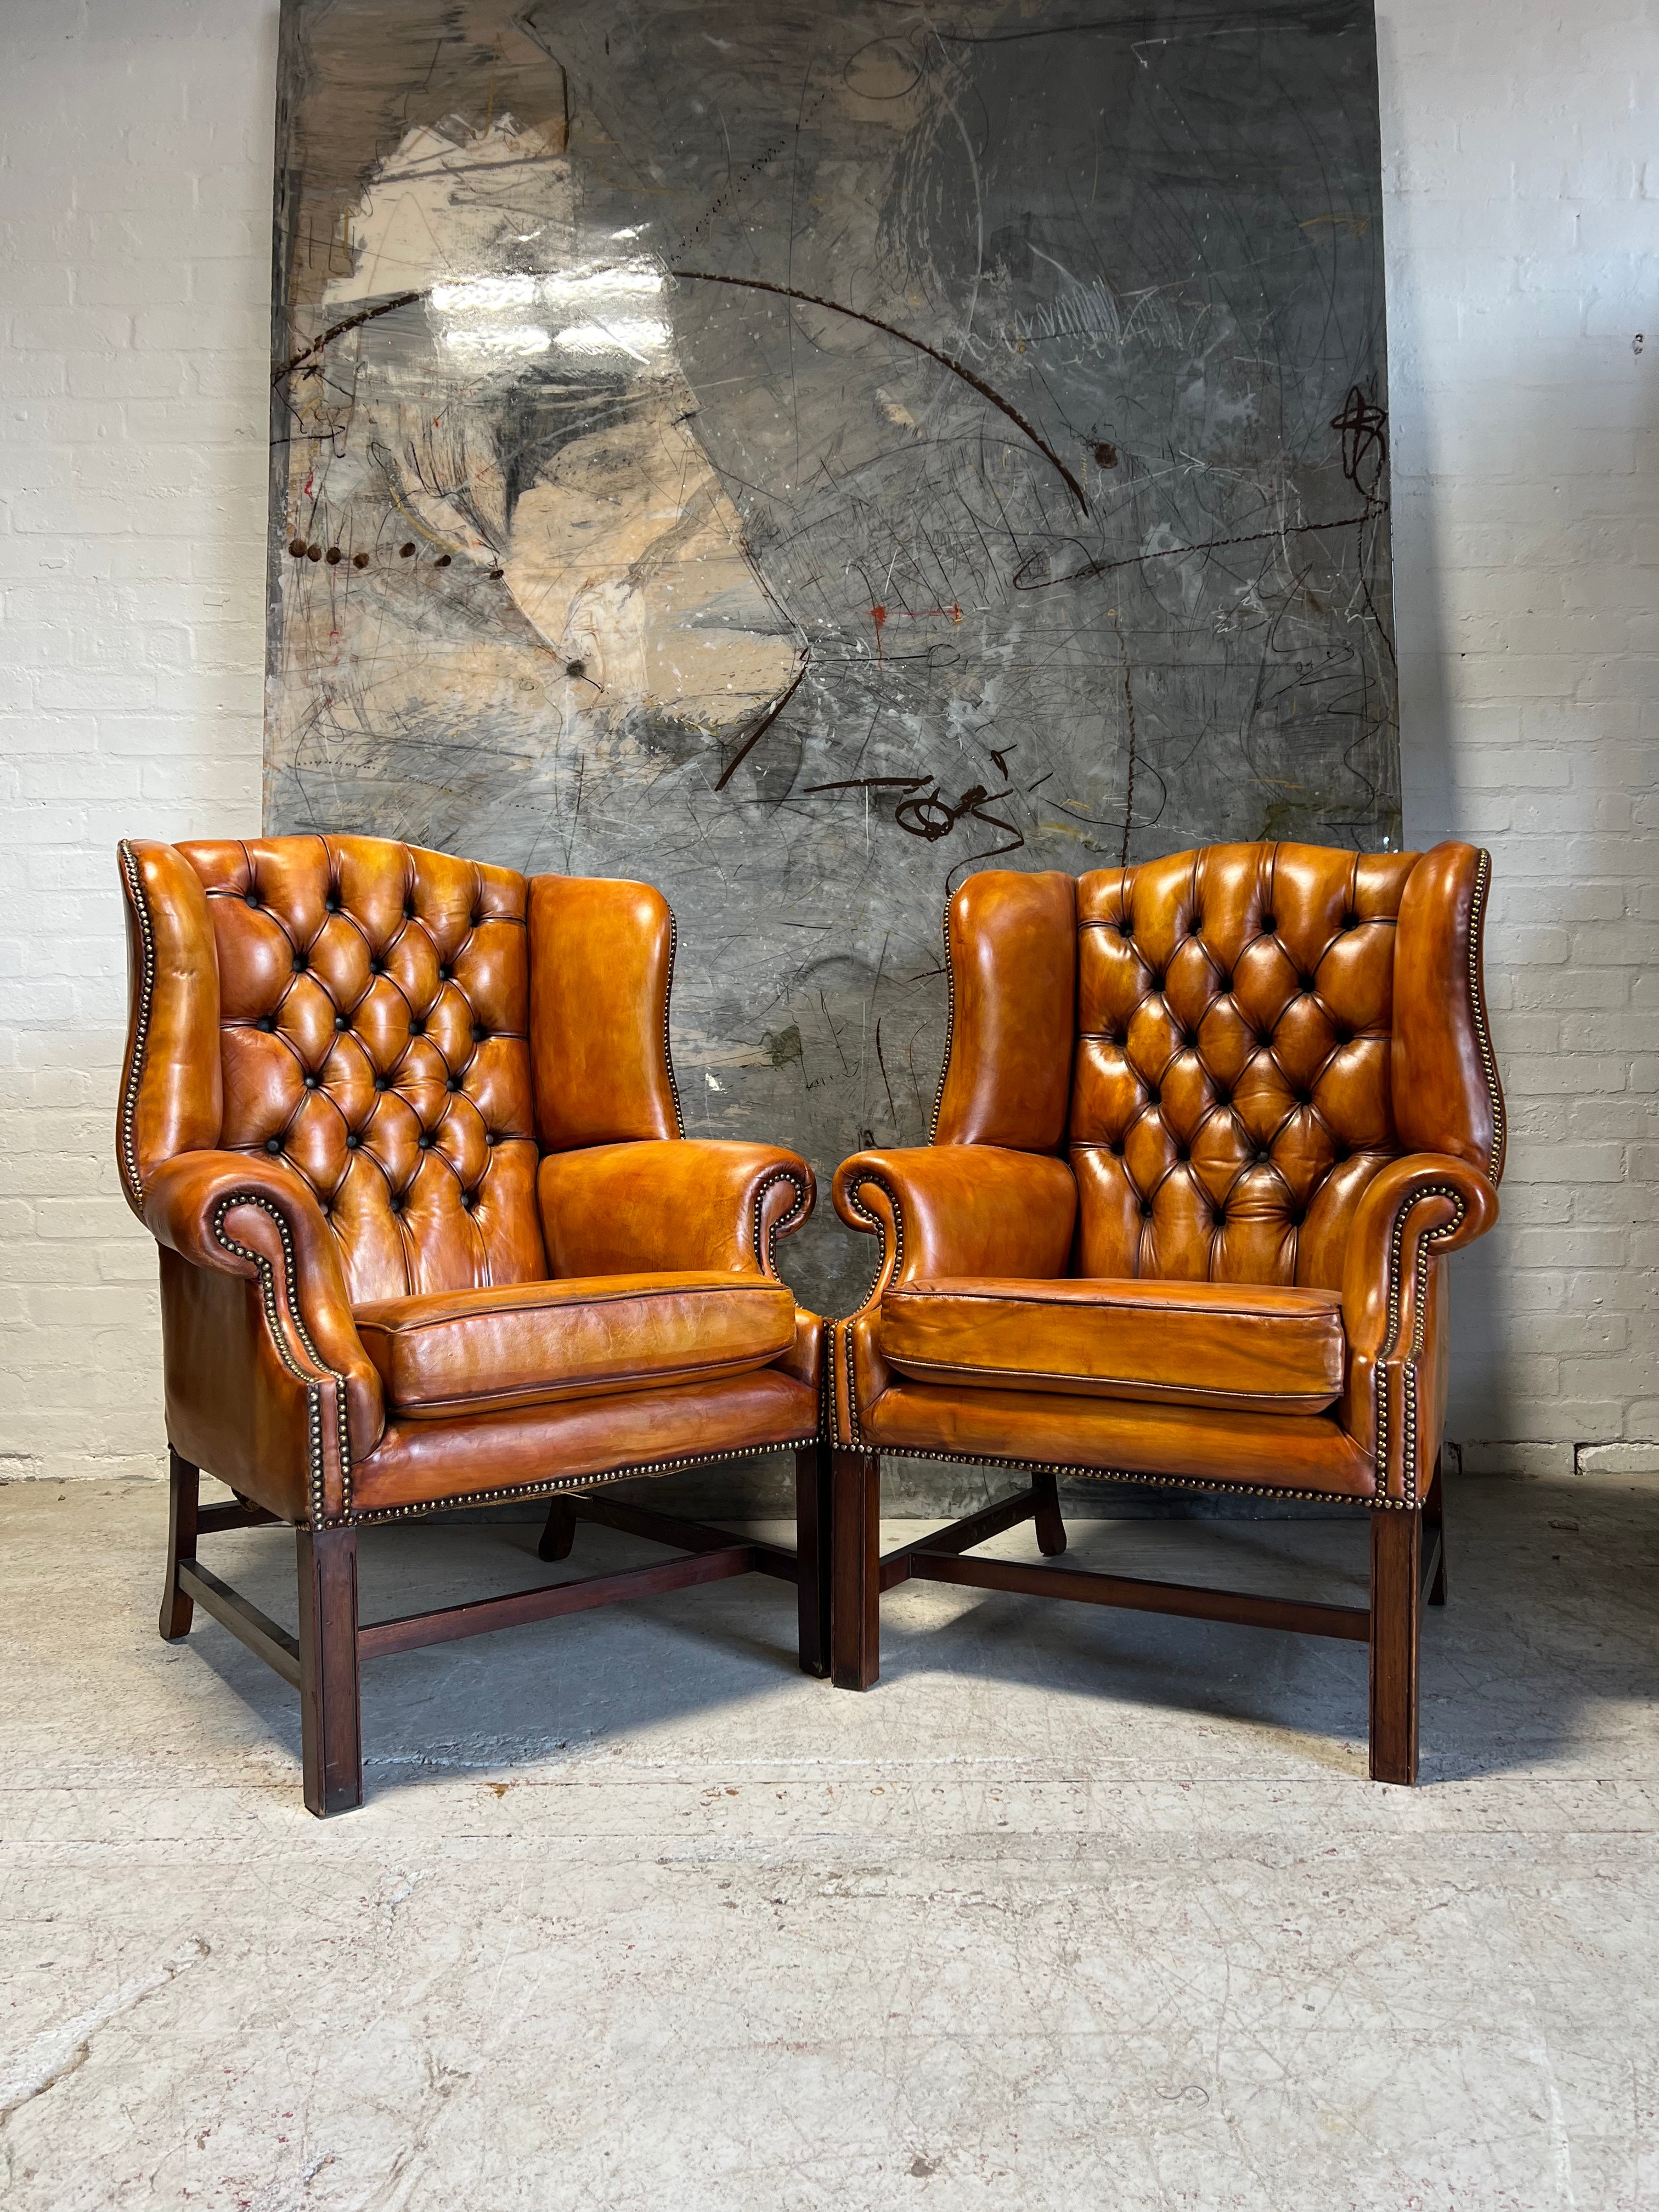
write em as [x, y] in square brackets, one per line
[1396, 1623]
[330, 1725]
[855, 1602]
[1434, 1524]
[813, 1554]
[559, 1533]
[186, 1482]
[1050, 1528]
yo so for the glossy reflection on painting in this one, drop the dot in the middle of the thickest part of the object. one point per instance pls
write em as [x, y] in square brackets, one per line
[798, 458]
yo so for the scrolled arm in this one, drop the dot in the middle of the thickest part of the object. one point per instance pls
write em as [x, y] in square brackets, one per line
[1417, 1210]
[662, 1205]
[960, 1210]
[943, 1210]
[238, 1216]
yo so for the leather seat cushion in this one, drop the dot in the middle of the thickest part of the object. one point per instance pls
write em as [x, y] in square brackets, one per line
[529, 1344]
[1255, 1347]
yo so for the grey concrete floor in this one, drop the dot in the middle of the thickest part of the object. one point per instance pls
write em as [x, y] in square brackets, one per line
[1077, 1908]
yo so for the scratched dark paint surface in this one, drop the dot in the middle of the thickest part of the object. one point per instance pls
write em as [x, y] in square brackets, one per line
[835, 451]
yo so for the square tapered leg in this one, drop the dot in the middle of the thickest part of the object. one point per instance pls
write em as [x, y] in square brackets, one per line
[1396, 1626]
[329, 1724]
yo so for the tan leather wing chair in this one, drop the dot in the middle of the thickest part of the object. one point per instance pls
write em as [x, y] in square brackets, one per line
[1208, 1129]
[406, 1129]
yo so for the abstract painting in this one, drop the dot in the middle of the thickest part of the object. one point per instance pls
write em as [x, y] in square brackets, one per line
[801, 456]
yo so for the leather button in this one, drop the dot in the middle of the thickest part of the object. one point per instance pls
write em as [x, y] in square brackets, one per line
[341, 1022]
[1116, 1148]
[1223, 1097]
[1154, 1097]
[417, 1028]
[1268, 925]
[480, 1036]
[273, 1144]
[1146, 1209]
[383, 1083]
[397, 1203]
[311, 1082]
[352, 1141]
[425, 1142]
[445, 975]
[1263, 1157]
[490, 1138]
[265, 1023]
[1264, 1039]
[1296, 1218]
[1198, 925]
[469, 1200]
[1304, 1098]
[1181, 1154]
[1308, 983]
[453, 1083]
[1344, 1036]
[1218, 1218]
[1350, 921]
[1225, 982]
[475, 919]
[333, 905]
[408, 912]
[300, 963]
[377, 967]
[252, 898]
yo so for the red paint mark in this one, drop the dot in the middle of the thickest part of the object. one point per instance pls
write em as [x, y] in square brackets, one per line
[310, 480]
[879, 616]
[927, 614]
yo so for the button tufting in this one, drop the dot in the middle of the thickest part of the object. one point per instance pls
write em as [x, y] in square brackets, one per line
[453, 1083]
[445, 975]
[1218, 1218]
[1295, 1217]
[300, 963]
[480, 1036]
[1146, 1209]
[490, 1138]
[424, 1141]
[377, 966]
[352, 1141]
[1223, 1097]
[469, 1200]
[311, 1082]
[417, 1027]
[475, 919]
[273, 1144]
[1350, 921]
[265, 1023]
[1308, 983]
[1268, 925]
[383, 1083]
[408, 912]
[1181, 1154]
[1154, 1097]
[252, 898]
[333, 905]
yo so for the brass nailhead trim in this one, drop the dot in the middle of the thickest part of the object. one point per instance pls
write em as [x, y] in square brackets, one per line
[950, 1027]
[140, 1028]
[279, 1338]
[667, 1039]
[766, 1246]
[1478, 1003]
[575, 1481]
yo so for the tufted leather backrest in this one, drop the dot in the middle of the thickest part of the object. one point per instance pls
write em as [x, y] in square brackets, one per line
[374, 1015]
[1232, 1092]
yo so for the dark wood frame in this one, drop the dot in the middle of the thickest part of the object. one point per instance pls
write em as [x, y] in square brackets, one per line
[1407, 1570]
[324, 1661]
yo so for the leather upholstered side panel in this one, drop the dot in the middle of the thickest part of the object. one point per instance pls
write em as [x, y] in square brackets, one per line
[1447, 1098]
[1012, 942]
[601, 964]
[172, 1096]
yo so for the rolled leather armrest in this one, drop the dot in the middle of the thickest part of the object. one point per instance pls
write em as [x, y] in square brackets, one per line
[960, 1210]
[663, 1205]
[942, 1210]
[225, 1211]
[1417, 1209]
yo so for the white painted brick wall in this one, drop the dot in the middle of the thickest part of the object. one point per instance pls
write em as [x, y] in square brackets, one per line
[1523, 246]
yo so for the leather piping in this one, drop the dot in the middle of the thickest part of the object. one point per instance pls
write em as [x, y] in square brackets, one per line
[950, 1029]
[1408, 1369]
[134, 881]
[667, 1039]
[1478, 1006]
[1293, 1401]
[576, 1481]
[285, 1351]
[766, 1246]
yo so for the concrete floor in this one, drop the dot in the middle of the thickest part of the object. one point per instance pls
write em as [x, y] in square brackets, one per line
[1077, 1909]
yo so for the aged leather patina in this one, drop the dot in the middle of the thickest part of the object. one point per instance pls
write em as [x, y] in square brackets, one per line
[406, 1129]
[1206, 1131]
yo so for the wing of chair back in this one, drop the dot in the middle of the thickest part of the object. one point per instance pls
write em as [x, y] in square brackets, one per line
[621, 1190]
[267, 1381]
[992, 1195]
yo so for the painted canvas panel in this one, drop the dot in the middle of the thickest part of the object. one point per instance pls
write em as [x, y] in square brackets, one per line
[800, 456]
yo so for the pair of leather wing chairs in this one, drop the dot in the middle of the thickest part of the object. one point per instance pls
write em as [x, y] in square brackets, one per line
[406, 1129]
